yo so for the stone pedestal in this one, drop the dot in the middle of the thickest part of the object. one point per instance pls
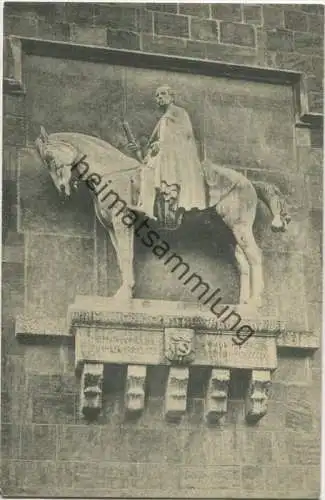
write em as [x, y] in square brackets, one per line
[180, 335]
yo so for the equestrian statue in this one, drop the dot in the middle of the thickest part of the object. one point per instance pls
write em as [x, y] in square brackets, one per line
[163, 181]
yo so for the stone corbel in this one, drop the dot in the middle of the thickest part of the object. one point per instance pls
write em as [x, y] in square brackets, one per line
[217, 394]
[257, 395]
[135, 388]
[176, 393]
[91, 390]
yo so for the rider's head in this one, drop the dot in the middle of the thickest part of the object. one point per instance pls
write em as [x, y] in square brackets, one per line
[164, 96]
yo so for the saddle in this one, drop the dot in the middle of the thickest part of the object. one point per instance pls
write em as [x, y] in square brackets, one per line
[169, 214]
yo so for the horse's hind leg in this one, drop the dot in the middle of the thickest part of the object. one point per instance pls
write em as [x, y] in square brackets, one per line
[245, 239]
[244, 271]
[122, 240]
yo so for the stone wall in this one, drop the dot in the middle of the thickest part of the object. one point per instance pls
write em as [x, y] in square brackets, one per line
[50, 255]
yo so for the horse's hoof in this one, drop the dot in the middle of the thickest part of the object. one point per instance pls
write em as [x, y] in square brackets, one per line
[123, 294]
[254, 303]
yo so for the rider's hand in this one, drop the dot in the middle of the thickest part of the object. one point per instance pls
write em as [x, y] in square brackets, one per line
[155, 148]
[132, 147]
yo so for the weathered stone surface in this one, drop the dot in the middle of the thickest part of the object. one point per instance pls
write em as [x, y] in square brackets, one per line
[57, 31]
[38, 442]
[280, 39]
[252, 14]
[203, 478]
[226, 12]
[135, 388]
[204, 29]
[54, 409]
[149, 457]
[257, 395]
[217, 395]
[170, 25]
[195, 9]
[140, 346]
[176, 393]
[120, 39]
[294, 20]
[91, 390]
[293, 369]
[119, 346]
[89, 36]
[238, 34]
[273, 16]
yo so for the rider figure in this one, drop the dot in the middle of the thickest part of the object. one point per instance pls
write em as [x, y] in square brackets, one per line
[170, 159]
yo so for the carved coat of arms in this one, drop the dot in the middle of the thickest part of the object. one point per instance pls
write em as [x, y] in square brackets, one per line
[179, 345]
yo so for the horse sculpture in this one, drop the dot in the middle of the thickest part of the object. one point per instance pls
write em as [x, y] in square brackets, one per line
[69, 156]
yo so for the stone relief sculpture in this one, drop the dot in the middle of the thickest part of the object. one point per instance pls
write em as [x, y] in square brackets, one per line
[171, 162]
[167, 174]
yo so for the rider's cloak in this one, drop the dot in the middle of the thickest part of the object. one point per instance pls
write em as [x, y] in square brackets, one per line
[177, 161]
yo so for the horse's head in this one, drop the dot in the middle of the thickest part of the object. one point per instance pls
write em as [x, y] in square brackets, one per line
[59, 157]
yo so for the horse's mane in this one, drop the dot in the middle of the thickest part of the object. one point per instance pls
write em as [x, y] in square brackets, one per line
[103, 157]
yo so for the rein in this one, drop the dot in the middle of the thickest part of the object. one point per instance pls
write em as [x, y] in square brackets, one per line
[81, 160]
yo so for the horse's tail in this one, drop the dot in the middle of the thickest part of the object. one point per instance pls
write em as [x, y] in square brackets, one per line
[275, 201]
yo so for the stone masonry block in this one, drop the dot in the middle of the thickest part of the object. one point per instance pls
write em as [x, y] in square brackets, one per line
[171, 25]
[14, 104]
[31, 476]
[163, 7]
[302, 448]
[21, 25]
[89, 35]
[279, 39]
[58, 409]
[237, 34]
[315, 24]
[119, 39]
[14, 132]
[205, 478]
[123, 16]
[38, 442]
[294, 20]
[195, 9]
[273, 16]
[253, 14]
[10, 439]
[255, 447]
[231, 53]
[226, 12]
[308, 43]
[317, 9]
[195, 49]
[163, 45]
[57, 31]
[316, 102]
[81, 13]
[204, 29]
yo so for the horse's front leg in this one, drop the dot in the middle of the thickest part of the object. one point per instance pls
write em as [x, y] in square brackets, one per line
[244, 273]
[248, 247]
[123, 241]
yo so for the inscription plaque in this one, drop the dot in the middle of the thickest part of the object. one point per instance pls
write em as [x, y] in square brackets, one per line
[259, 352]
[125, 346]
[131, 346]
